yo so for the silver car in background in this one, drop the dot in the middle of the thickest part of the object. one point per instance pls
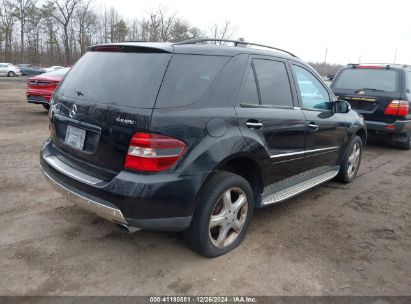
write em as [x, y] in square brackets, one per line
[9, 70]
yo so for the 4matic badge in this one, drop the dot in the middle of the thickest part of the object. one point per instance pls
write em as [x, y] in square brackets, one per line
[126, 121]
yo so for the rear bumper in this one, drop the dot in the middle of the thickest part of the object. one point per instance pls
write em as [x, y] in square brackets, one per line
[156, 202]
[37, 97]
[399, 126]
[101, 208]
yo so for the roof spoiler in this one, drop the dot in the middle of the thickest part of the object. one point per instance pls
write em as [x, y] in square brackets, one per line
[132, 47]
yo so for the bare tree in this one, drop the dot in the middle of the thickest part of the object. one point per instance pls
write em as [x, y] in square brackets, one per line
[224, 31]
[151, 27]
[8, 18]
[134, 31]
[33, 34]
[85, 20]
[167, 22]
[23, 8]
[63, 15]
[49, 28]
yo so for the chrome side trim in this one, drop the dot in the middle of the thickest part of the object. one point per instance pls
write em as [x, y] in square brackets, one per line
[254, 124]
[298, 188]
[329, 149]
[110, 213]
[70, 171]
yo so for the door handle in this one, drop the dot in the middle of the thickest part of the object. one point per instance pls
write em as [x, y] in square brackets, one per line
[313, 126]
[254, 124]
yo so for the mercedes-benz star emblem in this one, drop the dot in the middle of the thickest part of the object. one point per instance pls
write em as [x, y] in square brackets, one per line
[73, 111]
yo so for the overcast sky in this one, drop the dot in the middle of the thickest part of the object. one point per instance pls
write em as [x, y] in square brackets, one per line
[353, 30]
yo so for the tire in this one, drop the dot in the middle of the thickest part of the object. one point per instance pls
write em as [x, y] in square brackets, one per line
[46, 106]
[11, 74]
[231, 220]
[352, 160]
[406, 145]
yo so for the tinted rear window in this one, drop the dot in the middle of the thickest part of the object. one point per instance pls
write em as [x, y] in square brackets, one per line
[356, 79]
[126, 79]
[187, 79]
[273, 82]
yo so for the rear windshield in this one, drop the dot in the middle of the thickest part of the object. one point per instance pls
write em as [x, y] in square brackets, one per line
[187, 79]
[357, 79]
[126, 79]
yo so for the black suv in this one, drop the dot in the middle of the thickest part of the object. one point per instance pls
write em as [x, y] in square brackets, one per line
[193, 136]
[382, 94]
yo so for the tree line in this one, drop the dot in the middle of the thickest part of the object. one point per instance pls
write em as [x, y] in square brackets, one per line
[325, 69]
[58, 32]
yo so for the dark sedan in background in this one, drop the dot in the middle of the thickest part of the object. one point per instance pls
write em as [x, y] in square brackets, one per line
[30, 69]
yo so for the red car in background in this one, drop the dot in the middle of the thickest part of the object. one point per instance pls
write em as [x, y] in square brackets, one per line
[41, 87]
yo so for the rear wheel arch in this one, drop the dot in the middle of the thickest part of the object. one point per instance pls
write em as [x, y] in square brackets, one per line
[243, 166]
[246, 167]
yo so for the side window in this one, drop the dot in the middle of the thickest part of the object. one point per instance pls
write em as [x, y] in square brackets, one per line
[187, 79]
[273, 82]
[312, 92]
[249, 93]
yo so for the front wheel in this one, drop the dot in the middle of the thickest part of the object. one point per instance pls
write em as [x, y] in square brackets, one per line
[224, 212]
[11, 74]
[352, 160]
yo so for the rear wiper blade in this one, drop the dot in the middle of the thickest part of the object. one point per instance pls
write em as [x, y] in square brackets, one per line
[370, 89]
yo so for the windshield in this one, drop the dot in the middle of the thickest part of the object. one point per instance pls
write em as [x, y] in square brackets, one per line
[125, 79]
[374, 79]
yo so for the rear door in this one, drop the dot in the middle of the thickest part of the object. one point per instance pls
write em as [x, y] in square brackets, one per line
[326, 133]
[106, 97]
[268, 118]
[369, 90]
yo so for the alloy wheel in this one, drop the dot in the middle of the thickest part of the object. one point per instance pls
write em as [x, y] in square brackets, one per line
[228, 217]
[354, 160]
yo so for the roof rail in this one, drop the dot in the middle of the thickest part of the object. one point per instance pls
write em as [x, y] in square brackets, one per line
[383, 63]
[235, 42]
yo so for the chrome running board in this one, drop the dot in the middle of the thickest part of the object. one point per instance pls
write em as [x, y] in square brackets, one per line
[298, 188]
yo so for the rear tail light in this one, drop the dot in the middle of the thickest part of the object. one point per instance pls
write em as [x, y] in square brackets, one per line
[153, 152]
[398, 108]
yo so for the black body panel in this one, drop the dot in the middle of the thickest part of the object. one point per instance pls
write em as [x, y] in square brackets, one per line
[214, 126]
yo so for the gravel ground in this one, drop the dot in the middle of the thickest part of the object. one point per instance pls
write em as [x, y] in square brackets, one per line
[333, 240]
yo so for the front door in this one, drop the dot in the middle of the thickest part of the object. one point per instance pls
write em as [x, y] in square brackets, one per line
[268, 118]
[326, 133]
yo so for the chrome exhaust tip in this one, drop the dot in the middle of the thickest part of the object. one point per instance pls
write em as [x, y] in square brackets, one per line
[128, 229]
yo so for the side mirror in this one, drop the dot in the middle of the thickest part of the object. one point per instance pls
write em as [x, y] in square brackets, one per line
[342, 106]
